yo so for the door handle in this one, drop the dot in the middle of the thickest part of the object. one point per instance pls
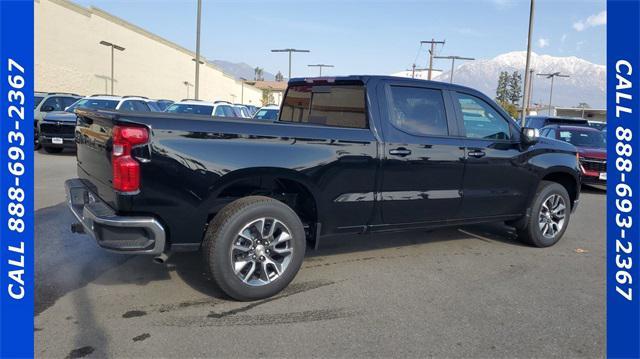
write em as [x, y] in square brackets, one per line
[476, 153]
[400, 151]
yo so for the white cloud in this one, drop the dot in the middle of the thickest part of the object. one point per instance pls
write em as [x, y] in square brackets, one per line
[503, 4]
[593, 20]
[542, 42]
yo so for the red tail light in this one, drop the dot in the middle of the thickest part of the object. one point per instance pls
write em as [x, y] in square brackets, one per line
[126, 170]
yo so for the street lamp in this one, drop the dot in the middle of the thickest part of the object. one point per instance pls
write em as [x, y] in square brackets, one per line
[320, 66]
[242, 80]
[453, 61]
[552, 76]
[187, 84]
[113, 47]
[290, 51]
[197, 59]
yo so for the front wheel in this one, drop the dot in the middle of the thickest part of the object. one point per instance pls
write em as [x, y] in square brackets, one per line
[550, 214]
[254, 247]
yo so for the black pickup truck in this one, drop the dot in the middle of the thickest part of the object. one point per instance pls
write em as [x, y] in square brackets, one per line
[347, 155]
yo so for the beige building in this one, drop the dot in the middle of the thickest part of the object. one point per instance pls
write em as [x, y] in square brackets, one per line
[70, 58]
[591, 114]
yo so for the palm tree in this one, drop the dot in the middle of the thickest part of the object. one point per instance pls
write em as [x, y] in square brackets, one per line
[258, 74]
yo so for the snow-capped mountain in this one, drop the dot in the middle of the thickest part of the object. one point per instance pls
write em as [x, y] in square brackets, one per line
[587, 81]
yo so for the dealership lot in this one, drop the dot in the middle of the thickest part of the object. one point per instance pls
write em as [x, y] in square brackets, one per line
[473, 292]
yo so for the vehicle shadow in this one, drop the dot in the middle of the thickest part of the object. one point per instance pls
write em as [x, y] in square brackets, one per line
[67, 152]
[66, 262]
[593, 190]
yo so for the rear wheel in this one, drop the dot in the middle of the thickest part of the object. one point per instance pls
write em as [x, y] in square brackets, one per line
[549, 216]
[52, 149]
[254, 247]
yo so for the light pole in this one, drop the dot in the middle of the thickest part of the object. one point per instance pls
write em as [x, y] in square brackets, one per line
[527, 74]
[242, 79]
[453, 61]
[187, 84]
[197, 59]
[552, 76]
[528, 97]
[320, 66]
[290, 51]
[113, 47]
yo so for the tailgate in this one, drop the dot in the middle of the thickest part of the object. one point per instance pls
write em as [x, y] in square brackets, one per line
[93, 135]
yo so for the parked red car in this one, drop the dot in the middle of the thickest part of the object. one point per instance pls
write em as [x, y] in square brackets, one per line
[592, 149]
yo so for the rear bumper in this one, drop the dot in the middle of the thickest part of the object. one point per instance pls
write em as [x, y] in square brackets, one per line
[131, 235]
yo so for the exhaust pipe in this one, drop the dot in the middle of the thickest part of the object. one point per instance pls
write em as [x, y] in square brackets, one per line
[162, 258]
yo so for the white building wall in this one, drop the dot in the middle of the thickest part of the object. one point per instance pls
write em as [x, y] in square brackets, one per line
[69, 58]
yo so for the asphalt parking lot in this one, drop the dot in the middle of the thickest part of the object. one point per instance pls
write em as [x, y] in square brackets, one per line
[467, 292]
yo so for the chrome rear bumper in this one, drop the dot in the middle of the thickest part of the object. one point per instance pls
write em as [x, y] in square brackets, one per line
[122, 234]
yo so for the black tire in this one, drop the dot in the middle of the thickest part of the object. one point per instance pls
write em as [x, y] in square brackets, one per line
[223, 231]
[52, 149]
[529, 230]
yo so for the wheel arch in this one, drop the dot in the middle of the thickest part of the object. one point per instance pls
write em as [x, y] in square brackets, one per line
[567, 178]
[289, 186]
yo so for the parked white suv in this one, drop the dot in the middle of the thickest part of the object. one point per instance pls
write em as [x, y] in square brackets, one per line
[198, 107]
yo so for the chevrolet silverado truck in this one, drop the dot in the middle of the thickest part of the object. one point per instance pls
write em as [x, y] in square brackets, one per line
[346, 155]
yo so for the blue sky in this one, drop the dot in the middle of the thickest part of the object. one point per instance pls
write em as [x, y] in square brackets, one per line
[373, 37]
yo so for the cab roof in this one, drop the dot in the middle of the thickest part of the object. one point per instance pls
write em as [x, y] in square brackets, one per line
[367, 78]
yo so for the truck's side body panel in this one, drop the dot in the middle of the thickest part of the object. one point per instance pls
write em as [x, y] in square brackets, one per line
[191, 162]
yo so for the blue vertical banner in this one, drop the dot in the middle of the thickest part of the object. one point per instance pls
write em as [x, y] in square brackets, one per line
[623, 179]
[16, 185]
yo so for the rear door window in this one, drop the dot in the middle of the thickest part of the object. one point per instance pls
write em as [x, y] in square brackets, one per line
[326, 105]
[418, 111]
[228, 111]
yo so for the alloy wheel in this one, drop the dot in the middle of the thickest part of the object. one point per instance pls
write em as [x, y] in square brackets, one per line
[262, 251]
[552, 215]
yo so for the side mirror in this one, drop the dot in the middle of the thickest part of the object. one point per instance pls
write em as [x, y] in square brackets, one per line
[529, 136]
[47, 108]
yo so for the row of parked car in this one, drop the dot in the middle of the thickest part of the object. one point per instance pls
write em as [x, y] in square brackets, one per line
[589, 137]
[54, 117]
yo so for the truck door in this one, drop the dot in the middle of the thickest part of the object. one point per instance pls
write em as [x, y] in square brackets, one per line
[496, 182]
[423, 160]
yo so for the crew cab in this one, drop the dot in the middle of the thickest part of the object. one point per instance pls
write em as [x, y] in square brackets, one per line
[347, 155]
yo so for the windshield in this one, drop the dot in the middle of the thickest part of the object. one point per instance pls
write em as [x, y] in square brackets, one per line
[193, 109]
[579, 138]
[36, 100]
[93, 104]
[266, 115]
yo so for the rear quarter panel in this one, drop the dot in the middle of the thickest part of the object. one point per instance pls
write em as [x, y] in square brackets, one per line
[188, 168]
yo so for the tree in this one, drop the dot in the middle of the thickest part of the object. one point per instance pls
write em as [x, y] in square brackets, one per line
[502, 90]
[279, 77]
[258, 74]
[512, 109]
[514, 91]
[267, 97]
[583, 105]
